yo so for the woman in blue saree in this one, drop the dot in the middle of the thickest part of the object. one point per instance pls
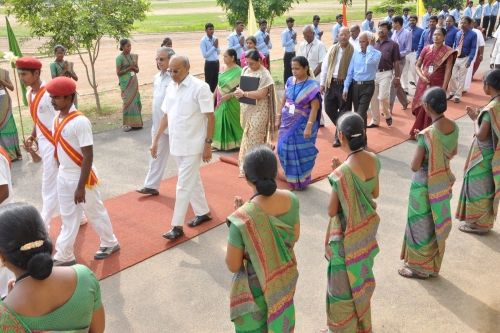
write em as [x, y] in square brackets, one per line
[299, 122]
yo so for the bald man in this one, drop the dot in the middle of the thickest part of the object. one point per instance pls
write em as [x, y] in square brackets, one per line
[188, 110]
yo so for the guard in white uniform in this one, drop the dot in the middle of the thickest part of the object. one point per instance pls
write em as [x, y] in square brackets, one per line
[42, 113]
[160, 83]
[189, 116]
[77, 181]
[5, 195]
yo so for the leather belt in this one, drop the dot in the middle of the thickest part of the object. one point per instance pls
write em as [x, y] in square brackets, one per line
[384, 70]
[359, 83]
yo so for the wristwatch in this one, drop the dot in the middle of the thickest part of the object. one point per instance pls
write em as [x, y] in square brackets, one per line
[208, 140]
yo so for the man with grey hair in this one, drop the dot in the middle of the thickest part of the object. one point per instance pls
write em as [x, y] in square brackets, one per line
[188, 112]
[313, 50]
[161, 81]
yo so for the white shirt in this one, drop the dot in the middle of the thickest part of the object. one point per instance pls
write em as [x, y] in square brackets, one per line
[355, 43]
[5, 178]
[45, 112]
[495, 55]
[480, 40]
[185, 105]
[78, 133]
[160, 84]
[314, 52]
[324, 65]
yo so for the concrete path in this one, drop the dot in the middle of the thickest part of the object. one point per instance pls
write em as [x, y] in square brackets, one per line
[186, 289]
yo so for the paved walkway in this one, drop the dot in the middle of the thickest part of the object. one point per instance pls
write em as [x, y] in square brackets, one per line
[186, 289]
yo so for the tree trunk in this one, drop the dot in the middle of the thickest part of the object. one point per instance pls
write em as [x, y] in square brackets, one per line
[97, 100]
[93, 57]
[366, 6]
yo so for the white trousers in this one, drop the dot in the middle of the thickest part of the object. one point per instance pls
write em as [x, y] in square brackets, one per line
[157, 166]
[409, 71]
[71, 214]
[189, 189]
[5, 277]
[49, 180]
[458, 77]
[380, 98]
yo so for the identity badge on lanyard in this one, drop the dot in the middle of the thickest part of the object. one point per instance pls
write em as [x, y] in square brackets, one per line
[291, 106]
[430, 70]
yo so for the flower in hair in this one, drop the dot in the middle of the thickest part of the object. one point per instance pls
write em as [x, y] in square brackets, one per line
[32, 245]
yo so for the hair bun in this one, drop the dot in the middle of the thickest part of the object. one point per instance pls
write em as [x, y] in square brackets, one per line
[40, 266]
[266, 187]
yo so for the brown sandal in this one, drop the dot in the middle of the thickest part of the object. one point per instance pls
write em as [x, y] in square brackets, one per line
[411, 274]
[468, 229]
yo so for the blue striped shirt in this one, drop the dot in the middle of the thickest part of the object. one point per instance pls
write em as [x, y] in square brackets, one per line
[406, 21]
[208, 50]
[468, 12]
[425, 20]
[478, 13]
[365, 26]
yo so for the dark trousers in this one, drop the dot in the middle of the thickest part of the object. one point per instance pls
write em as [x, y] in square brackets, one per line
[486, 22]
[268, 60]
[335, 106]
[212, 73]
[478, 21]
[493, 20]
[361, 97]
[287, 65]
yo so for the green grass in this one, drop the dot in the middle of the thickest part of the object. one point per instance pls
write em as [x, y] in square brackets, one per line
[19, 30]
[182, 22]
[187, 4]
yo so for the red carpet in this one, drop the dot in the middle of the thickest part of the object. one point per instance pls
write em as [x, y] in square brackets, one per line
[139, 221]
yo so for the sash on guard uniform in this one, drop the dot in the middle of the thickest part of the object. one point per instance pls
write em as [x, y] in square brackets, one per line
[34, 115]
[6, 155]
[70, 151]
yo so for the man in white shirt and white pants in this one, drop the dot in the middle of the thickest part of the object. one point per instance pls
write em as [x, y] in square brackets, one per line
[5, 194]
[189, 115]
[157, 165]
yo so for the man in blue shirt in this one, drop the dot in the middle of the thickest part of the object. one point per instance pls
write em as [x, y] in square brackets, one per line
[468, 9]
[486, 16]
[493, 18]
[209, 46]
[361, 75]
[236, 40]
[426, 37]
[390, 15]
[465, 44]
[478, 13]
[368, 24]
[451, 31]
[264, 41]
[416, 32]
[336, 27]
[318, 33]
[406, 18]
[426, 18]
[288, 42]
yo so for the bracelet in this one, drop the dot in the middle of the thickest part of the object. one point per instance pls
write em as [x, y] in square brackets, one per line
[310, 122]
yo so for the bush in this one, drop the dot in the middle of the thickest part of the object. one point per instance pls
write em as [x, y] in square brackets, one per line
[398, 6]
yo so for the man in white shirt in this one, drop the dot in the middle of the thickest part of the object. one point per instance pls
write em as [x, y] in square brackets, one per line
[313, 49]
[160, 83]
[5, 194]
[189, 115]
[77, 180]
[478, 56]
[236, 40]
[42, 113]
[354, 31]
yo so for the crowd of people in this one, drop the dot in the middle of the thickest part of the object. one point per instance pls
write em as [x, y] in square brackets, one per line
[355, 81]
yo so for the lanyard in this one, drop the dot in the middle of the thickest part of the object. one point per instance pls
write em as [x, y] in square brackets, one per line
[302, 87]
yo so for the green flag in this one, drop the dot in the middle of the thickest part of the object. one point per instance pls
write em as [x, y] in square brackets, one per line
[14, 48]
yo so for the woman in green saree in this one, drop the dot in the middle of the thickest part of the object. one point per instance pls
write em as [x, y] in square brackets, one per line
[61, 67]
[350, 243]
[127, 68]
[262, 234]
[43, 297]
[429, 212]
[478, 202]
[227, 131]
[9, 139]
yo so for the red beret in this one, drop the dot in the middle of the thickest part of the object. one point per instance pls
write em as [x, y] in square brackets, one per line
[28, 63]
[61, 86]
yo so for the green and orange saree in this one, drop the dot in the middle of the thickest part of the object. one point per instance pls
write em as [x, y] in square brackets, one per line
[129, 86]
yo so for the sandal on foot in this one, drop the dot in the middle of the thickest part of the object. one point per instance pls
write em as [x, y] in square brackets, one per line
[411, 274]
[468, 229]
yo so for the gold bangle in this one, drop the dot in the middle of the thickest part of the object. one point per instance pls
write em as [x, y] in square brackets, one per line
[310, 122]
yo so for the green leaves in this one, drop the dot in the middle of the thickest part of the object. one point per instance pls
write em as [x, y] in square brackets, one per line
[267, 9]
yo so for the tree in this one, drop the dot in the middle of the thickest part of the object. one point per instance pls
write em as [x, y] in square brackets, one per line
[79, 25]
[267, 9]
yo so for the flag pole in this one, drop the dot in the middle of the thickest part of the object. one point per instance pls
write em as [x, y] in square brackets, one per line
[18, 103]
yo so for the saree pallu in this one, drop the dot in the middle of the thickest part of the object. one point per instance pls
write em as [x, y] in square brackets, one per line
[297, 155]
[257, 120]
[243, 59]
[350, 248]
[227, 131]
[438, 59]
[129, 86]
[9, 138]
[262, 291]
[478, 201]
[429, 212]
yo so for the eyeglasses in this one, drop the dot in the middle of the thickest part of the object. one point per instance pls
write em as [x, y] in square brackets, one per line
[175, 71]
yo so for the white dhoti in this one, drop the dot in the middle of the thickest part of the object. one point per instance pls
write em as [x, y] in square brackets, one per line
[71, 214]
[189, 189]
[157, 166]
[409, 71]
[50, 202]
[459, 77]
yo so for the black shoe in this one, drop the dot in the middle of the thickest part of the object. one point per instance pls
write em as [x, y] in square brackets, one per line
[388, 121]
[336, 143]
[105, 252]
[413, 83]
[149, 191]
[450, 97]
[174, 233]
[199, 220]
[372, 125]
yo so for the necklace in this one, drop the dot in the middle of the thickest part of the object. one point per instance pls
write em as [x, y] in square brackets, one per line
[354, 152]
[22, 277]
[435, 120]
